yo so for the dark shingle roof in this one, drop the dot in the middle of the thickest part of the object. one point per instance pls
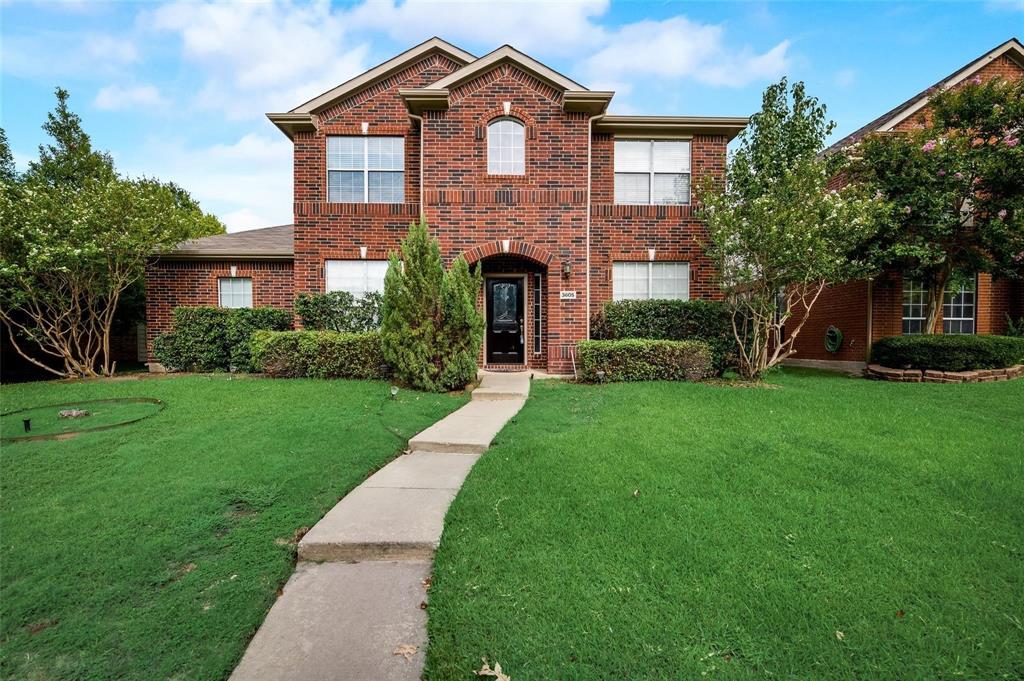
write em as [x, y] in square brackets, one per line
[1014, 46]
[265, 243]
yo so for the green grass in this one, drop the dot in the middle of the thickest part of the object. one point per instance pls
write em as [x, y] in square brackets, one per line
[46, 420]
[831, 528]
[153, 550]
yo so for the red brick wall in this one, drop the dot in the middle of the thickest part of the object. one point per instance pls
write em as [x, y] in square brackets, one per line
[177, 283]
[542, 213]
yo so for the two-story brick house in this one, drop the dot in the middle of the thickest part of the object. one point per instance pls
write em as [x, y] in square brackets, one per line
[892, 304]
[512, 164]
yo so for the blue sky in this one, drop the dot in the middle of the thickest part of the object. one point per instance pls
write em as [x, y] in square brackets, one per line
[178, 90]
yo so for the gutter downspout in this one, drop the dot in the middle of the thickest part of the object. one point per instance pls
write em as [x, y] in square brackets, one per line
[590, 172]
[423, 212]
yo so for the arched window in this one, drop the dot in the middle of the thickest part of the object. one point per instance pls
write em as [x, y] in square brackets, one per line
[506, 147]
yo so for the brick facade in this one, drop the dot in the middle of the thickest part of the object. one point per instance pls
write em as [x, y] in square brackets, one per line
[845, 305]
[183, 283]
[529, 224]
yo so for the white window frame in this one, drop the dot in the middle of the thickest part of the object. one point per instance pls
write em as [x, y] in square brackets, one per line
[918, 304]
[246, 291]
[651, 173]
[949, 305]
[365, 170]
[499, 168]
[651, 266]
[369, 284]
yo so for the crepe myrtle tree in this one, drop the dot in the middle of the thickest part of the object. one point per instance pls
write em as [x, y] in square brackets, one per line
[777, 232]
[957, 186]
[74, 238]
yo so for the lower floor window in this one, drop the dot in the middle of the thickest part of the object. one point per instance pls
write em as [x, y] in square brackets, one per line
[358, 277]
[234, 292]
[645, 280]
[958, 309]
[915, 306]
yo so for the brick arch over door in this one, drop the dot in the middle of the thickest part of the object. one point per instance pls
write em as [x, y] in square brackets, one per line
[519, 248]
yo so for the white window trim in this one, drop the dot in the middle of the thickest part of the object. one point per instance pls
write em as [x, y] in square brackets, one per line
[908, 285]
[974, 310]
[650, 278]
[651, 173]
[366, 166]
[220, 292]
[495, 122]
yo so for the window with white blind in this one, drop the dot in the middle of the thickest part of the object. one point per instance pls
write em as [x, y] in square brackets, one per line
[958, 310]
[652, 171]
[643, 280]
[506, 147]
[358, 277]
[234, 292]
[365, 169]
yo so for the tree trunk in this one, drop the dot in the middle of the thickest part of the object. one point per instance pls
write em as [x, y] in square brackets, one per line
[936, 295]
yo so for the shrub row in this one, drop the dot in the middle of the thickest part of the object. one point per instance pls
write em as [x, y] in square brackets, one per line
[701, 320]
[948, 352]
[215, 338]
[319, 354]
[339, 311]
[638, 359]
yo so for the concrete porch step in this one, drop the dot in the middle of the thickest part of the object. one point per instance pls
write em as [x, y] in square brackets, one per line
[343, 621]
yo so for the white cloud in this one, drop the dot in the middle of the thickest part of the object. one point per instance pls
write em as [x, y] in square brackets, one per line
[677, 48]
[261, 57]
[117, 97]
[48, 54]
[552, 28]
[845, 77]
[247, 183]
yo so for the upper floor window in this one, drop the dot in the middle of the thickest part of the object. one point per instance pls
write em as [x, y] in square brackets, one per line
[506, 147]
[652, 171]
[365, 169]
[234, 292]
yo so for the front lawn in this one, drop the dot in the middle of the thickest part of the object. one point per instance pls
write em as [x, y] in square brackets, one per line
[830, 528]
[153, 550]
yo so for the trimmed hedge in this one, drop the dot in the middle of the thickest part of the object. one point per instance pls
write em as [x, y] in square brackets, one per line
[702, 320]
[636, 359]
[339, 311]
[319, 354]
[947, 352]
[215, 338]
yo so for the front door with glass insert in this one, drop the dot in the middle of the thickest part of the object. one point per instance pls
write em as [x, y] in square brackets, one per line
[505, 329]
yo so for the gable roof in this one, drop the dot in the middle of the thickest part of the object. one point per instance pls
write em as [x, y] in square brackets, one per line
[505, 54]
[1012, 49]
[394, 65]
[267, 243]
[301, 117]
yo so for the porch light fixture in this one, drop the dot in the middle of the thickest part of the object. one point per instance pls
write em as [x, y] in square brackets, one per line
[394, 391]
[650, 254]
[505, 243]
[362, 252]
[566, 269]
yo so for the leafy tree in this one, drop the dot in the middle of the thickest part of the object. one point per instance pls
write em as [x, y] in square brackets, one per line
[74, 237]
[778, 234]
[431, 330]
[957, 186]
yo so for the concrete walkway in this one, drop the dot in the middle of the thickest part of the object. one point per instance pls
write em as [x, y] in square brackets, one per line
[355, 607]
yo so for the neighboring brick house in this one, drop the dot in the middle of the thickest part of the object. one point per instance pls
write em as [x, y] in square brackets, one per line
[514, 166]
[898, 305]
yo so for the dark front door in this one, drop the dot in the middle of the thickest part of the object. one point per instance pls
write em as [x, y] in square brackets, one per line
[505, 330]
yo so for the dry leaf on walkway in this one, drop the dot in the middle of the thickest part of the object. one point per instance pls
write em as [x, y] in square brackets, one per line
[496, 672]
[406, 650]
